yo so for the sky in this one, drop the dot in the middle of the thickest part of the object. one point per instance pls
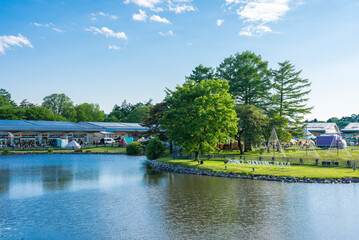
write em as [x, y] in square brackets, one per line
[113, 50]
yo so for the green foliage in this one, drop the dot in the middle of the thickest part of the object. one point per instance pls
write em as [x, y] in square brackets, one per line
[78, 150]
[152, 121]
[250, 126]
[61, 105]
[89, 112]
[200, 115]
[115, 116]
[248, 77]
[138, 114]
[280, 124]
[6, 152]
[201, 73]
[290, 93]
[50, 150]
[155, 149]
[134, 148]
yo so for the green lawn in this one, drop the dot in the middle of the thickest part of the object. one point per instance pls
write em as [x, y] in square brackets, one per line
[310, 171]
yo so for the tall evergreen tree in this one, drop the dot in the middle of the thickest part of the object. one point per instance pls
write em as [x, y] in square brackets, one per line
[201, 73]
[290, 93]
[248, 77]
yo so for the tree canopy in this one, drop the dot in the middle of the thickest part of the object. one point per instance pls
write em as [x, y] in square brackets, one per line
[200, 115]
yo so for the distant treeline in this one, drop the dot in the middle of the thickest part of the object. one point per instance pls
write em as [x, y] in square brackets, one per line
[59, 107]
[342, 122]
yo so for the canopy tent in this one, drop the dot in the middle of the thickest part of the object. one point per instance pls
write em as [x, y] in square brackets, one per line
[123, 143]
[129, 139]
[73, 144]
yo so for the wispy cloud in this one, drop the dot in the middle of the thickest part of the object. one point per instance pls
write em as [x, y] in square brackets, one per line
[103, 14]
[107, 32]
[113, 47]
[259, 13]
[156, 18]
[7, 41]
[177, 6]
[220, 22]
[251, 31]
[169, 33]
[49, 25]
[181, 8]
[144, 3]
[141, 16]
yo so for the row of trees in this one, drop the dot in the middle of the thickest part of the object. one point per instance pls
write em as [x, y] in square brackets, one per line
[60, 107]
[241, 99]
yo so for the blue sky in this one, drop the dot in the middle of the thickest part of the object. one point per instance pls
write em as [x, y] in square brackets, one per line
[110, 50]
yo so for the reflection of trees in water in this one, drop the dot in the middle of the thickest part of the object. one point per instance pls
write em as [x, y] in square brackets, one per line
[4, 180]
[210, 206]
[151, 176]
[56, 177]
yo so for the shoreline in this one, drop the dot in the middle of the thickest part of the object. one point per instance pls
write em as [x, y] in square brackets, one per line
[165, 167]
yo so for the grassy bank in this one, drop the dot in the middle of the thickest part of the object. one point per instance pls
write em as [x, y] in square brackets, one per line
[299, 171]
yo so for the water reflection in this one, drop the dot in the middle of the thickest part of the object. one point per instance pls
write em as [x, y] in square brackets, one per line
[120, 197]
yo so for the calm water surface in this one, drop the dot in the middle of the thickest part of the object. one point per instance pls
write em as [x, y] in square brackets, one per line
[119, 197]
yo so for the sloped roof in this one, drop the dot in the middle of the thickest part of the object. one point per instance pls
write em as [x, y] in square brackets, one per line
[43, 126]
[351, 127]
[116, 126]
[321, 127]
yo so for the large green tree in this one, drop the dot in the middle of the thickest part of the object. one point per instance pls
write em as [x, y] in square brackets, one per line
[152, 121]
[138, 114]
[89, 112]
[248, 77]
[201, 73]
[61, 105]
[251, 122]
[200, 116]
[290, 93]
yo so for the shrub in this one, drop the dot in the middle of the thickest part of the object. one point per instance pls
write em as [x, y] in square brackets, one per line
[155, 149]
[78, 150]
[6, 152]
[134, 148]
[50, 150]
[88, 151]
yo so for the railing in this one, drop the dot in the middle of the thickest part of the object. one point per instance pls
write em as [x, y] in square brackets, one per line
[327, 162]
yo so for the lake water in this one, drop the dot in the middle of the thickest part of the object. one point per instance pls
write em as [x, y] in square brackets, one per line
[119, 197]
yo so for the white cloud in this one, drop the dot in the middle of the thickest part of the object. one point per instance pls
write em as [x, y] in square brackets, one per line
[156, 18]
[258, 13]
[48, 25]
[169, 33]
[141, 16]
[144, 3]
[107, 32]
[113, 47]
[7, 41]
[181, 8]
[103, 14]
[252, 30]
[263, 10]
[220, 22]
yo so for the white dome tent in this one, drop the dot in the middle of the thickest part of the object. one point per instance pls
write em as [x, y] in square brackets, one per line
[73, 145]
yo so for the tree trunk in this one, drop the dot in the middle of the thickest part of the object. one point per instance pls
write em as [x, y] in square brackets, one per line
[240, 144]
[196, 156]
[171, 147]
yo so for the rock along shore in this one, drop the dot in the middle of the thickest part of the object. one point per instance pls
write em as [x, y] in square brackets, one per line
[195, 171]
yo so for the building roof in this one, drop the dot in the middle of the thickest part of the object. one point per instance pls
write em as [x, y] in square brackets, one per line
[44, 126]
[351, 127]
[321, 127]
[116, 127]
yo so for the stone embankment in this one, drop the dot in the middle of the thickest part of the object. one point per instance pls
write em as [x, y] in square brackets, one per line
[195, 171]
